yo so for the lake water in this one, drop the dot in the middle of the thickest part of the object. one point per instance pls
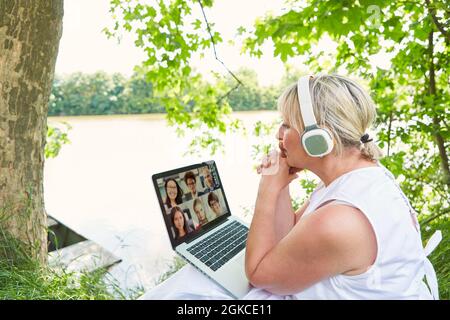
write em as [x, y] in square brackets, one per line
[100, 185]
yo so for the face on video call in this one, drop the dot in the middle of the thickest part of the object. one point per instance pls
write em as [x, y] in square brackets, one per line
[200, 211]
[208, 177]
[173, 192]
[191, 185]
[190, 180]
[214, 204]
[179, 222]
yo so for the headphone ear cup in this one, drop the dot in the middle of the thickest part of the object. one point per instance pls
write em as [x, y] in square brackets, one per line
[317, 142]
[331, 141]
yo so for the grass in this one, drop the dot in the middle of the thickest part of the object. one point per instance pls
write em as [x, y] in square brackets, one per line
[25, 278]
[176, 264]
[440, 258]
[34, 282]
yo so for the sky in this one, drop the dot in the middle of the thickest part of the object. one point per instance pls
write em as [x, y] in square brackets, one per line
[83, 46]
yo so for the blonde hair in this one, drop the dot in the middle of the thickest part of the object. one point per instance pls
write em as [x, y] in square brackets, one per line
[341, 106]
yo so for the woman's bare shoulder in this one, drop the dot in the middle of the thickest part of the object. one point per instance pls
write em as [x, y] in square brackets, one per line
[347, 230]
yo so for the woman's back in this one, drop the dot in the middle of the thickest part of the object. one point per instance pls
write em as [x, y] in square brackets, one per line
[399, 266]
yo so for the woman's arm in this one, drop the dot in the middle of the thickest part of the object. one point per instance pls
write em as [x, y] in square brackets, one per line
[284, 215]
[273, 217]
[262, 236]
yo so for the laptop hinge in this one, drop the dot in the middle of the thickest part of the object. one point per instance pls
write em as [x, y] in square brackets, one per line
[203, 233]
[193, 238]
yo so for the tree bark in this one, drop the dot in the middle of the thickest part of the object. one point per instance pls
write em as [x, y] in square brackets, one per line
[29, 39]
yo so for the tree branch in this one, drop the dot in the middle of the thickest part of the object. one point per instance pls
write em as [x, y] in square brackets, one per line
[428, 220]
[239, 82]
[389, 133]
[436, 124]
[440, 27]
[445, 124]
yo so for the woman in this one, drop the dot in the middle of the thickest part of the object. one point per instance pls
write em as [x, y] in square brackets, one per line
[179, 222]
[173, 192]
[357, 237]
[200, 213]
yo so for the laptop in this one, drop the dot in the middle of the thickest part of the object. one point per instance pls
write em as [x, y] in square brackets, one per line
[200, 226]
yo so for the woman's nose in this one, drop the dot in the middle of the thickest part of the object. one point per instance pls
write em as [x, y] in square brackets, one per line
[279, 134]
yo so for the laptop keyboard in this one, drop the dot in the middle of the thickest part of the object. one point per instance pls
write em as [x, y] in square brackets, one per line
[218, 248]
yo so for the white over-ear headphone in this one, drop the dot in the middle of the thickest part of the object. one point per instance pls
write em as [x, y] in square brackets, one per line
[316, 141]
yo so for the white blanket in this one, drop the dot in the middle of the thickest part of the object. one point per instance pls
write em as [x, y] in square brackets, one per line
[190, 284]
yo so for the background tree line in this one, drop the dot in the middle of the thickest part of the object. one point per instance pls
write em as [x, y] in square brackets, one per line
[101, 94]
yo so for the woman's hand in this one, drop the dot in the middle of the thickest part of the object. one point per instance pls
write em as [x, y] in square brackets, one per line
[276, 173]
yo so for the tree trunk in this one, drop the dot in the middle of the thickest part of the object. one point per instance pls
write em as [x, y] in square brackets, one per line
[29, 40]
[436, 123]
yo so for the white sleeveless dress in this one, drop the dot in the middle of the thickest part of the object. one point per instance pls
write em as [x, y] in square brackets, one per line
[401, 261]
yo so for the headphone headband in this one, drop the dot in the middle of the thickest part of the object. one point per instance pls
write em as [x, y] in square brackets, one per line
[316, 141]
[304, 98]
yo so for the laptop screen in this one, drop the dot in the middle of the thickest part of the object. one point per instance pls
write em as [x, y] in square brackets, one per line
[191, 199]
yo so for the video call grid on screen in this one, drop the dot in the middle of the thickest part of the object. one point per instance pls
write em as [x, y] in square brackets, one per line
[191, 199]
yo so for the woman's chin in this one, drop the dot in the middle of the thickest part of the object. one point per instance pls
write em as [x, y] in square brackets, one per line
[288, 160]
